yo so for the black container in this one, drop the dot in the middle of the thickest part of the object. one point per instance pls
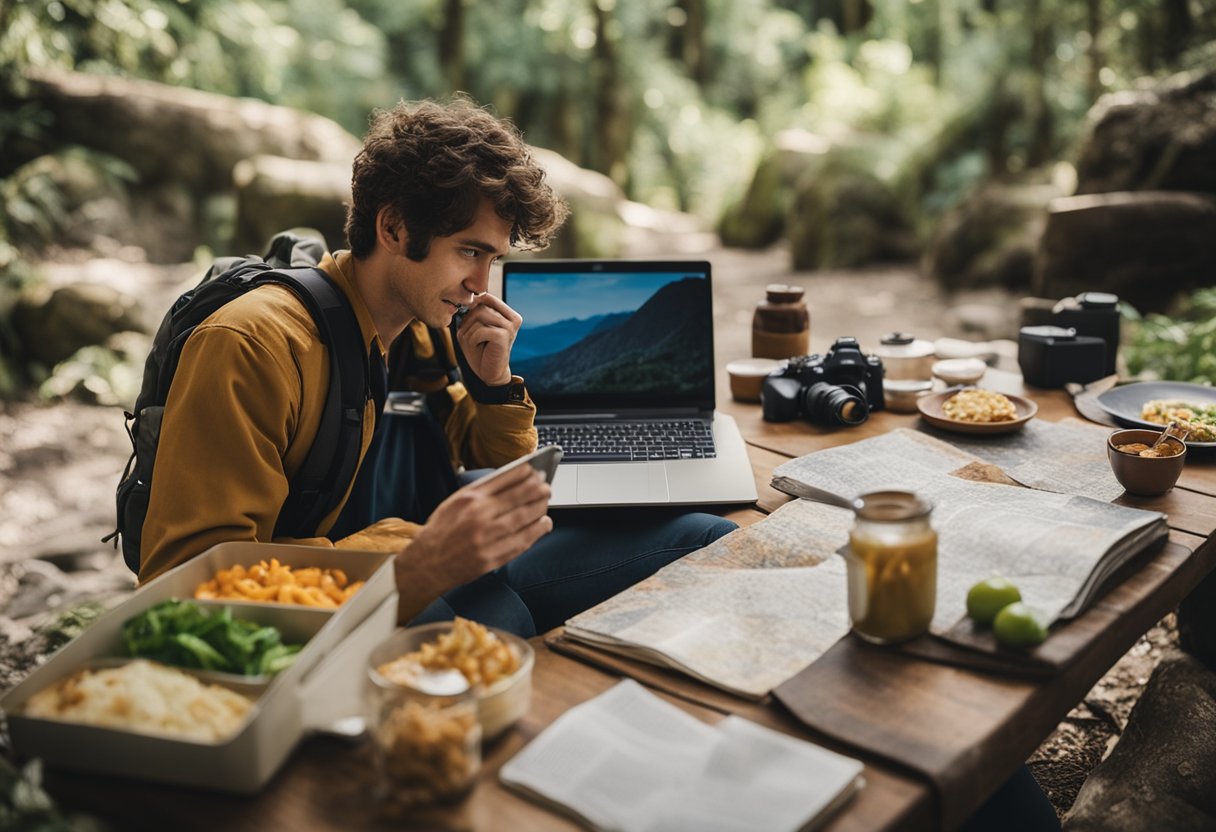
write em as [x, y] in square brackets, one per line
[1052, 356]
[1093, 314]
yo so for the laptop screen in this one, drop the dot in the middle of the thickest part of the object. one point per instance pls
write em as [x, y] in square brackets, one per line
[613, 335]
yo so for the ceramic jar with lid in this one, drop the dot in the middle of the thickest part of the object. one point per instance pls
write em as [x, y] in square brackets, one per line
[781, 324]
[905, 356]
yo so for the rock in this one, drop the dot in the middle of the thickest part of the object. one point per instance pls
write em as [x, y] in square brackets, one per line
[844, 217]
[52, 325]
[1162, 773]
[759, 218]
[1146, 246]
[176, 134]
[991, 239]
[596, 227]
[274, 194]
[1160, 138]
[66, 198]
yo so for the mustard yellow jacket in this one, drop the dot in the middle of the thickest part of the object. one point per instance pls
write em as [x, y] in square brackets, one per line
[244, 408]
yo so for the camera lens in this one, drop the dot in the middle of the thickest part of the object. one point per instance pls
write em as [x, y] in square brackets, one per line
[835, 404]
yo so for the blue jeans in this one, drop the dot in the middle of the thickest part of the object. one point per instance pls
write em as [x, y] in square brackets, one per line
[582, 562]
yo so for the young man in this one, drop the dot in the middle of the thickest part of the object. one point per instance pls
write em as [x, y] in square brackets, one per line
[439, 193]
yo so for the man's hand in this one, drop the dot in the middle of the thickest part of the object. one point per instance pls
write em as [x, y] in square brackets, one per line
[486, 335]
[479, 528]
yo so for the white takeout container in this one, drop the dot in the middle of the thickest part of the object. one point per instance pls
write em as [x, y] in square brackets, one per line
[321, 691]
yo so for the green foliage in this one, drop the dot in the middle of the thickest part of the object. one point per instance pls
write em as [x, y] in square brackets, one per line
[1179, 348]
[39, 198]
[675, 105]
[26, 807]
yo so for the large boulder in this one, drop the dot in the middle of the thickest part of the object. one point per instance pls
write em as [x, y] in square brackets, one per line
[52, 325]
[1162, 773]
[274, 193]
[1146, 246]
[991, 238]
[759, 218]
[1159, 138]
[169, 133]
[844, 216]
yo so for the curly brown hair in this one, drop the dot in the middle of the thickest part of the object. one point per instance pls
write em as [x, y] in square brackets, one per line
[433, 163]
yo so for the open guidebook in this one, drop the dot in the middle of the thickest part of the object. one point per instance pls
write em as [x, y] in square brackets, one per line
[628, 760]
[752, 609]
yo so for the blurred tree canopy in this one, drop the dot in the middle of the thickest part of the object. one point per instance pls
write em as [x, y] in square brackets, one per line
[674, 100]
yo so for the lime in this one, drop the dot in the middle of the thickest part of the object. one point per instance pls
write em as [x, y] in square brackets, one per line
[1018, 625]
[987, 598]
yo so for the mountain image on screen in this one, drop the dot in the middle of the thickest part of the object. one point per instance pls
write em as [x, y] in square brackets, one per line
[649, 350]
[555, 337]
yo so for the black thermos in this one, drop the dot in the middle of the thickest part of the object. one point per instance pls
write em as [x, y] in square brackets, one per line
[1096, 314]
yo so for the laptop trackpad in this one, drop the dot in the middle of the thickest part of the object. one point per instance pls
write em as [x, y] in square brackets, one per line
[641, 482]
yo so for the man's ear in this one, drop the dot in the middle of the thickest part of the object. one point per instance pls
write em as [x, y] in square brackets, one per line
[390, 231]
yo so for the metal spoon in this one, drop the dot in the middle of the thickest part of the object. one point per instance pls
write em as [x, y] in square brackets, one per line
[1172, 431]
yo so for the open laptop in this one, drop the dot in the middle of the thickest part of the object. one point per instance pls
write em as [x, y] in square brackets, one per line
[618, 356]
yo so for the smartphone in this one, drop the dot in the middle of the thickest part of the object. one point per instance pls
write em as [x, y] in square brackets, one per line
[542, 459]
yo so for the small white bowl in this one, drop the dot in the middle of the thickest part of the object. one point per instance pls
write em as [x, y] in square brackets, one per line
[955, 371]
[747, 377]
[901, 394]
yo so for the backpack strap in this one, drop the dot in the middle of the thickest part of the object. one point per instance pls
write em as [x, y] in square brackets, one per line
[330, 465]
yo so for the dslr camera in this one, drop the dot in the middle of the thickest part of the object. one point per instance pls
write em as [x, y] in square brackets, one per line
[840, 388]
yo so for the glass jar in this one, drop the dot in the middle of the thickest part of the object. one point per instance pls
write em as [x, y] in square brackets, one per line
[426, 734]
[892, 566]
[781, 324]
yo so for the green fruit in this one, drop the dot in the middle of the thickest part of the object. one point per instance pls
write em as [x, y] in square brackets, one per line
[987, 598]
[1018, 625]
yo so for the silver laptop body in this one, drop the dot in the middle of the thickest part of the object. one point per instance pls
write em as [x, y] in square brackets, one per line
[618, 356]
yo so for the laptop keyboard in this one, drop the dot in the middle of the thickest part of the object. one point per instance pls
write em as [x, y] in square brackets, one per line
[630, 441]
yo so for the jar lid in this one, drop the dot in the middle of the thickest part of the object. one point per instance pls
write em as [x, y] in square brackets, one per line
[782, 293]
[891, 506]
[897, 339]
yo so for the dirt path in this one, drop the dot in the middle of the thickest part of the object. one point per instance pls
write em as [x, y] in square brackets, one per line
[59, 465]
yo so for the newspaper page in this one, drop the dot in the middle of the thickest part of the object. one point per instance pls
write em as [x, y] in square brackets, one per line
[628, 760]
[746, 612]
[1055, 547]
[1068, 457]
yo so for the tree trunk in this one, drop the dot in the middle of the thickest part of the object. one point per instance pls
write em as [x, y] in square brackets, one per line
[1037, 112]
[693, 51]
[1093, 19]
[612, 127]
[1178, 29]
[451, 44]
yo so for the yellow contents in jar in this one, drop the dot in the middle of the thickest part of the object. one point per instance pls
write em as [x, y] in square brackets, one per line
[892, 585]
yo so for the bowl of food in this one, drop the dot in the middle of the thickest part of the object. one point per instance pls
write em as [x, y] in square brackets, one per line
[1141, 465]
[494, 663]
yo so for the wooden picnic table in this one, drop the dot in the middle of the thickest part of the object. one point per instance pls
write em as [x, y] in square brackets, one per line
[936, 739]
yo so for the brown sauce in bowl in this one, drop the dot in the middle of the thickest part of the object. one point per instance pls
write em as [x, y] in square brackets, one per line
[1169, 447]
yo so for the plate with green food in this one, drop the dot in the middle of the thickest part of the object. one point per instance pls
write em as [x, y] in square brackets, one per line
[1153, 404]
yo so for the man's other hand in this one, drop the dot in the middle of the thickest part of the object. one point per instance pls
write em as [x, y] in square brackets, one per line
[486, 335]
[479, 528]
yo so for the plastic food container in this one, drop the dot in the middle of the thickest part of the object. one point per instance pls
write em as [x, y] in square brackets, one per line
[319, 690]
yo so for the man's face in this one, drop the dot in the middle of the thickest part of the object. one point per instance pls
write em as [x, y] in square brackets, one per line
[455, 269]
